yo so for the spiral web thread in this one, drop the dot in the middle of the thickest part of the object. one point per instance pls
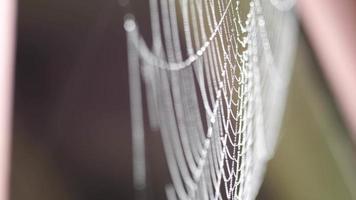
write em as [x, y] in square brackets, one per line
[215, 82]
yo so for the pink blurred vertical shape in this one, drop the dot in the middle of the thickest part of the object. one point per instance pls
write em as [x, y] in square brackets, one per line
[331, 27]
[7, 33]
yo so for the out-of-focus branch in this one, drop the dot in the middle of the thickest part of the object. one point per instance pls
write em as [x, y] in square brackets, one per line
[331, 27]
[7, 21]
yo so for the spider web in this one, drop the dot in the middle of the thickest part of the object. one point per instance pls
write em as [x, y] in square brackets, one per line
[215, 82]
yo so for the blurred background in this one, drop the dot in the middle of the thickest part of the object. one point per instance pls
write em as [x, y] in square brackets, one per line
[71, 123]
